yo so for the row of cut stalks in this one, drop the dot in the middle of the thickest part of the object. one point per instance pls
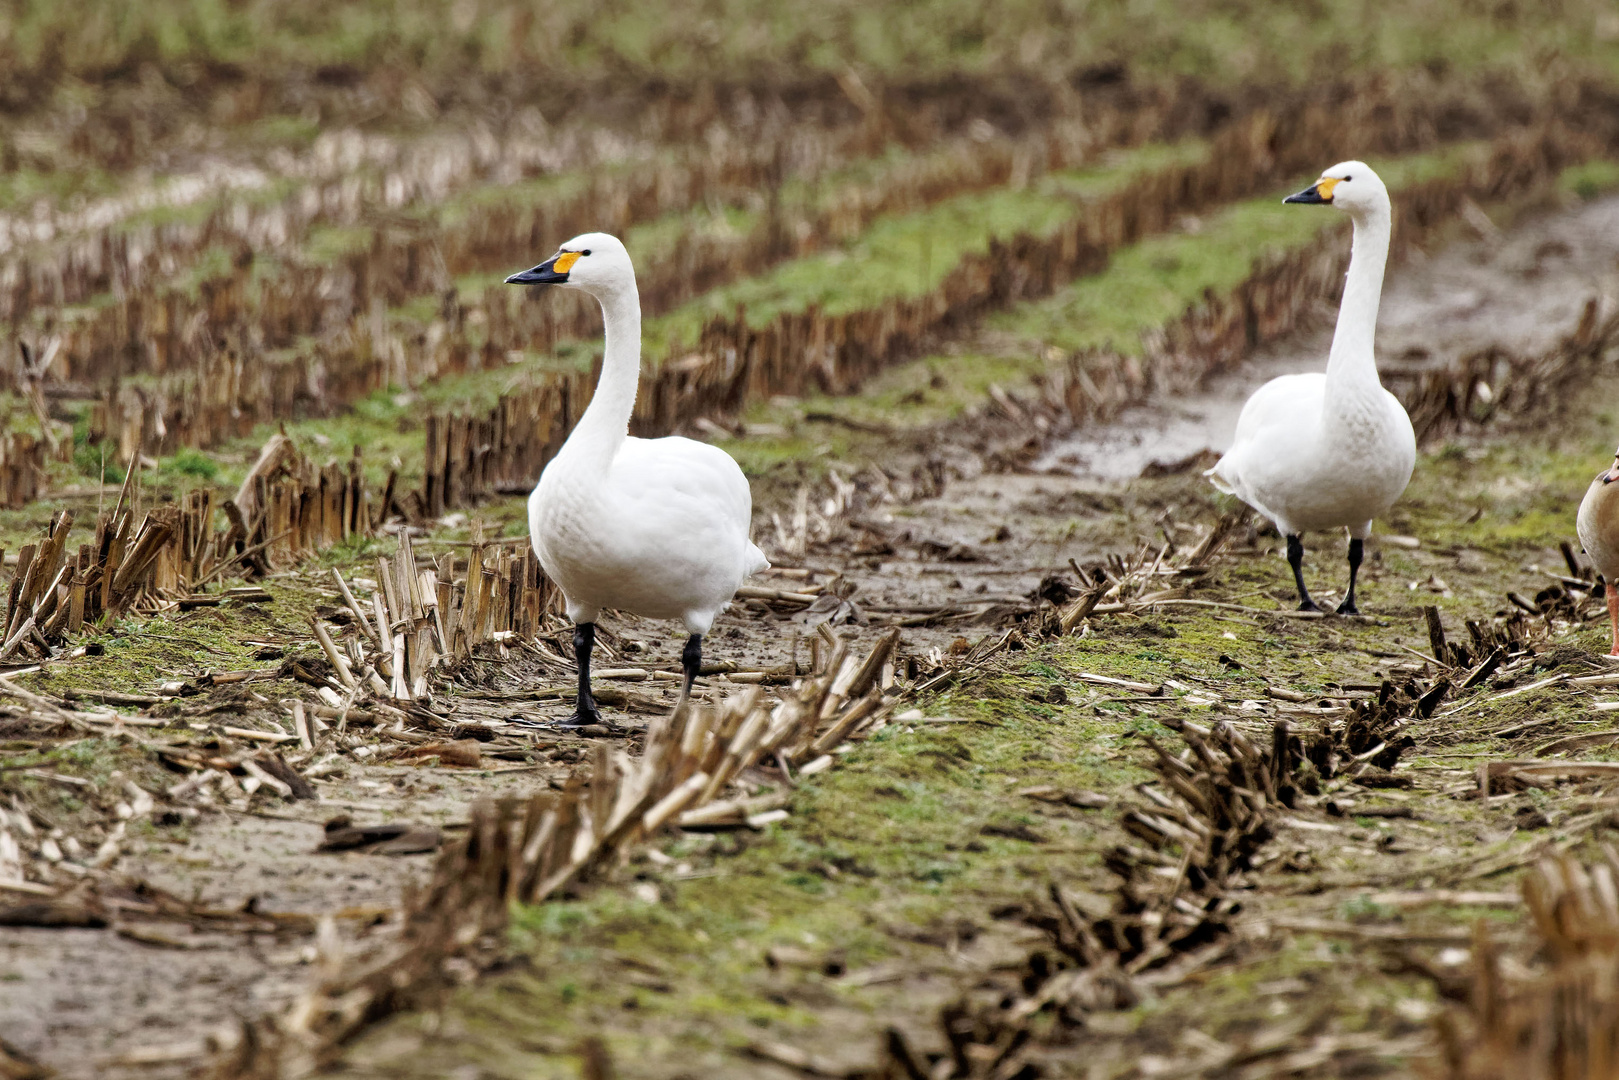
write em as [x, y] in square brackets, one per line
[530, 849]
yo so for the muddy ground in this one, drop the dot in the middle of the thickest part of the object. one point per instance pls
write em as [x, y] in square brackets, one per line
[951, 567]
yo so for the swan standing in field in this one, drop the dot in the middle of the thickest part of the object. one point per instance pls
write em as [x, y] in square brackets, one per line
[657, 527]
[1333, 450]
[1598, 526]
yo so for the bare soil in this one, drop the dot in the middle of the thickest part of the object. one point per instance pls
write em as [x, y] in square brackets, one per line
[951, 566]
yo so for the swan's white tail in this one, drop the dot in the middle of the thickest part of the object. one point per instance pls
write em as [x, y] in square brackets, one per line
[756, 560]
[1220, 479]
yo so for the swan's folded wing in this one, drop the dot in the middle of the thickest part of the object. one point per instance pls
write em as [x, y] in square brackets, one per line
[682, 473]
[1285, 400]
[1268, 430]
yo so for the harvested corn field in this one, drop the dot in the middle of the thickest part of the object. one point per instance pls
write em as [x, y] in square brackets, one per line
[1018, 761]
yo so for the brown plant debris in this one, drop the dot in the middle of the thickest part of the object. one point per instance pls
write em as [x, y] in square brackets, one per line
[157, 560]
[16, 1065]
[1371, 735]
[1559, 1018]
[419, 619]
[528, 850]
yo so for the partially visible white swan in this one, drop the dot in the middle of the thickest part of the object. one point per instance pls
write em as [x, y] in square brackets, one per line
[1333, 450]
[657, 527]
[1598, 527]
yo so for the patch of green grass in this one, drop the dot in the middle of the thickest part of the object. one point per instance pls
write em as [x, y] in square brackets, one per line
[1506, 497]
[546, 190]
[1590, 179]
[284, 130]
[20, 189]
[329, 243]
[662, 237]
[1151, 282]
[96, 462]
[211, 264]
[104, 762]
[189, 463]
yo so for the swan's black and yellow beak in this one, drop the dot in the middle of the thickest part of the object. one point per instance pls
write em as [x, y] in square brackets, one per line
[1611, 474]
[553, 271]
[1319, 192]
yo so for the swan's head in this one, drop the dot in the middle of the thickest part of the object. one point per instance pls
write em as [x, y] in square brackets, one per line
[1350, 185]
[594, 262]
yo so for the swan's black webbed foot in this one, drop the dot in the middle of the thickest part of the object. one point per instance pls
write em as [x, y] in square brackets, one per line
[1348, 608]
[585, 714]
[1308, 605]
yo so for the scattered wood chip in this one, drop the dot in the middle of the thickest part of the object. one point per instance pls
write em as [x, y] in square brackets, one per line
[1084, 800]
[1361, 932]
[462, 752]
[1570, 743]
[1460, 897]
[791, 1057]
[1150, 689]
[297, 785]
[1013, 831]
[147, 935]
[386, 839]
[55, 913]
[16, 1065]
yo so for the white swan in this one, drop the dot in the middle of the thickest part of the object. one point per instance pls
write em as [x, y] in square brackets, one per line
[1598, 526]
[1333, 450]
[657, 527]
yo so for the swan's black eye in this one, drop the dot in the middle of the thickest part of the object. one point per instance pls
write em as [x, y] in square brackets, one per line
[1346, 180]
[585, 252]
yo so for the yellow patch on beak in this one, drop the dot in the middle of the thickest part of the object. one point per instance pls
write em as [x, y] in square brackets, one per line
[1324, 186]
[564, 262]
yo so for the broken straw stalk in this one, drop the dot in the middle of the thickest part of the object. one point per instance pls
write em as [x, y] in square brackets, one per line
[530, 849]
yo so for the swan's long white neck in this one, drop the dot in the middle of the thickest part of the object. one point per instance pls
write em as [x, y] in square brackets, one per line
[605, 424]
[1352, 363]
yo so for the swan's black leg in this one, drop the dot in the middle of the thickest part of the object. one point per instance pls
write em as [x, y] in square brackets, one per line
[1356, 550]
[1295, 559]
[584, 710]
[691, 660]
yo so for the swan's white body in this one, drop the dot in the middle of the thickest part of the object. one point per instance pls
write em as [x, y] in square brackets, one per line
[656, 527]
[1334, 450]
